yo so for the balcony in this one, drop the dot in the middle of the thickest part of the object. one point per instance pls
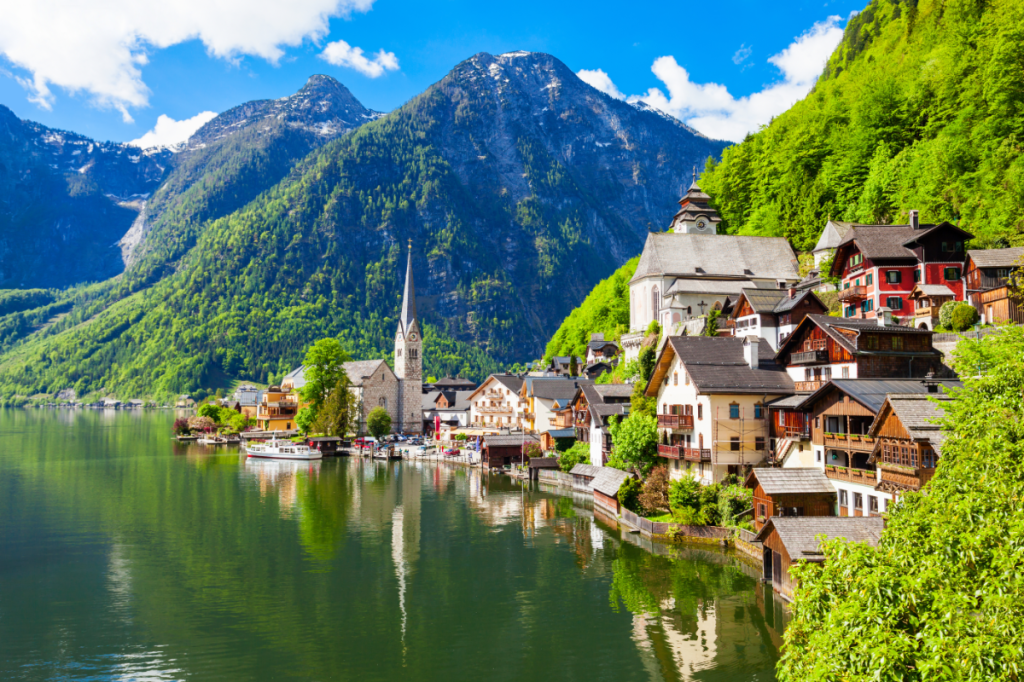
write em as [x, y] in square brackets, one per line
[854, 293]
[926, 311]
[494, 409]
[905, 477]
[797, 432]
[809, 357]
[851, 442]
[696, 455]
[529, 416]
[564, 421]
[862, 476]
[669, 451]
[811, 386]
[675, 421]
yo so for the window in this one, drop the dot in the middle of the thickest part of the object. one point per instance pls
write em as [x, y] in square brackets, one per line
[843, 500]
[871, 342]
[894, 302]
[870, 280]
[758, 411]
[817, 455]
[808, 374]
[858, 501]
[734, 411]
[917, 275]
[700, 411]
[867, 306]
[675, 378]
[759, 443]
[826, 374]
[856, 283]
[846, 372]
[846, 285]
[817, 422]
[413, 353]
[398, 353]
[655, 303]
[951, 274]
[383, 402]
[761, 511]
[897, 343]
[872, 504]
[734, 444]
[952, 247]
[686, 379]
[893, 276]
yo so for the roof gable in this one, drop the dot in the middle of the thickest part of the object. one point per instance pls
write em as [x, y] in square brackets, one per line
[673, 254]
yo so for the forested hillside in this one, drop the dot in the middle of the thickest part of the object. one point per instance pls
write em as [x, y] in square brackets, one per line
[921, 106]
[519, 185]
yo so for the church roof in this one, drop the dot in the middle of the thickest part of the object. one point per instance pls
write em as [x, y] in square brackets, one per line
[409, 297]
[689, 255]
[359, 370]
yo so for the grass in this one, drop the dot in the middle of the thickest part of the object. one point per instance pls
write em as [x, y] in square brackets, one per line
[663, 518]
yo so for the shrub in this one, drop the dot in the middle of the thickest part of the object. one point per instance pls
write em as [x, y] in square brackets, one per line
[629, 495]
[378, 422]
[733, 500]
[654, 497]
[946, 313]
[533, 450]
[964, 315]
[683, 494]
[181, 426]
[579, 453]
[709, 514]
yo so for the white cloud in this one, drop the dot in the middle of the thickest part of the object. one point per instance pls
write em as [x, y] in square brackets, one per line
[340, 53]
[742, 54]
[99, 47]
[600, 80]
[168, 132]
[711, 109]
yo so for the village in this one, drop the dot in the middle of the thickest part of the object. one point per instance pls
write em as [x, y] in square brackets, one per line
[809, 401]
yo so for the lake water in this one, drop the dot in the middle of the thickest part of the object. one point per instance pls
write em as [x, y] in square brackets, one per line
[125, 556]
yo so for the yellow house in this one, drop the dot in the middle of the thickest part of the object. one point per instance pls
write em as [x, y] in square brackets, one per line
[276, 412]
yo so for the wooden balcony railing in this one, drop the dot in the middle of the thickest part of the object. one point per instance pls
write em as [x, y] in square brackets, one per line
[669, 451]
[675, 421]
[809, 357]
[564, 421]
[808, 385]
[696, 455]
[847, 441]
[529, 416]
[797, 432]
[862, 476]
[494, 409]
[853, 293]
[905, 477]
[926, 311]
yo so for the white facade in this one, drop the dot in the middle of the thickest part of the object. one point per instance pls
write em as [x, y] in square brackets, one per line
[495, 405]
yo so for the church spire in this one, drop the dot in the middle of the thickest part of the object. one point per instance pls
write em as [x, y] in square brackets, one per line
[409, 298]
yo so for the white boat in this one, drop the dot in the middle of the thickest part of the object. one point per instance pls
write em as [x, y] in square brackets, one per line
[215, 440]
[281, 449]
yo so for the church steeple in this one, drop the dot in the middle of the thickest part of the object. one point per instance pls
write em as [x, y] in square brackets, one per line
[408, 298]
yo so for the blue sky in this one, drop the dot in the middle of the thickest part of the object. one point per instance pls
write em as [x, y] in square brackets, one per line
[110, 68]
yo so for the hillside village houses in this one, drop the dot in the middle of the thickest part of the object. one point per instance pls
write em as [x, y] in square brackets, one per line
[497, 403]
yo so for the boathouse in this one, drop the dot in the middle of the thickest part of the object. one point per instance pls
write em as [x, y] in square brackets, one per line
[328, 446]
[788, 540]
[583, 476]
[499, 451]
[790, 492]
[606, 488]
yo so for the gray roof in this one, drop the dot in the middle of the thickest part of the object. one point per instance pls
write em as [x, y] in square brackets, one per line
[671, 254]
[586, 470]
[792, 481]
[408, 318]
[996, 258]
[832, 235]
[359, 370]
[505, 441]
[789, 401]
[787, 304]
[598, 344]
[890, 241]
[716, 365]
[799, 534]
[871, 393]
[455, 382]
[701, 285]
[298, 376]
[614, 390]
[764, 300]
[933, 290]
[608, 480]
[919, 413]
[250, 398]
[428, 399]
[553, 388]
[457, 400]
[509, 381]
[830, 325]
[604, 410]
[561, 433]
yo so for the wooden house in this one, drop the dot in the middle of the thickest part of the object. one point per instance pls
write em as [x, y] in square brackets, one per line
[986, 275]
[880, 264]
[908, 440]
[600, 350]
[773, 314]
[499, 451]
[583, 476]
[606, 486]
[328, 446]
[790, 492]
[790, 540]
[537, 463]
[824, 348]
[926, 300]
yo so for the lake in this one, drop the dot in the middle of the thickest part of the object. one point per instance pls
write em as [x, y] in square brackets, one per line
[126, 556]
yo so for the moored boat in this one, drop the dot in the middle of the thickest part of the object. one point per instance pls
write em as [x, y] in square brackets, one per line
[281, 449]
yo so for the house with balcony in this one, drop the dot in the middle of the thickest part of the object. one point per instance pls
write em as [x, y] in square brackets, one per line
[277, 408]
[496, 404]
[773, 314]
[601, 350]
[986, 276]
[590, 410]
[449, 407]
[927, 300]
[841, 416]
[908, 441]
[878, 265]
[544, 398]
[789, 442]
[789, 492]
[712, 395]
[824, 348]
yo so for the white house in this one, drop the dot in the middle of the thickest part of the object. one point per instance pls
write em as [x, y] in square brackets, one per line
[711, 393]
[496, 402]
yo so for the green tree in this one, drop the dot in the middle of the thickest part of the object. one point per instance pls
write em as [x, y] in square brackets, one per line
[654, 498]
[946, 313]
[378, 422]
[711, 327]
[304, 419]
[640, 404]
[629, 495]
[940, 597]
[324, 367]
[579, 453]
[574, 367]
[635, 443]
[647, 359]
[210, 410]
[338, 413]
[963, 317]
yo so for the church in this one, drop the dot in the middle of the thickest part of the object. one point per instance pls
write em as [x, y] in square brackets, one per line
[375, 384]
[685, 272]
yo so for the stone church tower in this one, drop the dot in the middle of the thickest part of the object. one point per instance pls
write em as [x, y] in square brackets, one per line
[409, 360]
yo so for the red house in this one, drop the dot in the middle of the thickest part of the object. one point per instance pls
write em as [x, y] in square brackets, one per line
[879, 265]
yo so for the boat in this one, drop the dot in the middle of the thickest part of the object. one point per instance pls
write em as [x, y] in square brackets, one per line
[281, 449]
[386, 453]
[212, 440]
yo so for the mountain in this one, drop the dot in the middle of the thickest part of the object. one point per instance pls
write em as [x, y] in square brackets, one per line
[519, 186]
[65, 202]
[920, 107]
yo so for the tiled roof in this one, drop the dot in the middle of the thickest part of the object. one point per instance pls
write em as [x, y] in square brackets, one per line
[830, 325]
[455, 382]
[716, 365]
[787, 304]
[799, 534]
[996, 258]
[933, 290]
[882, 241]
[614, 390]
[505, 441]
[792, 481]
[764, 300]
[694, 284]
[608, 480]
[671, 254]
[833, 234]
[554, 389]
[359, 370]
[605, 410]
[586, 470]
[919, 413]
[871, 393]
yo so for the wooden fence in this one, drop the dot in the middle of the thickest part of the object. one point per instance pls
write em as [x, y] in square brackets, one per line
[662, 528]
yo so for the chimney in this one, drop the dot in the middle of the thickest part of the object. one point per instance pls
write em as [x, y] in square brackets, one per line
[915, 222]
[884, 317]
[750, 350]
[792, 291]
